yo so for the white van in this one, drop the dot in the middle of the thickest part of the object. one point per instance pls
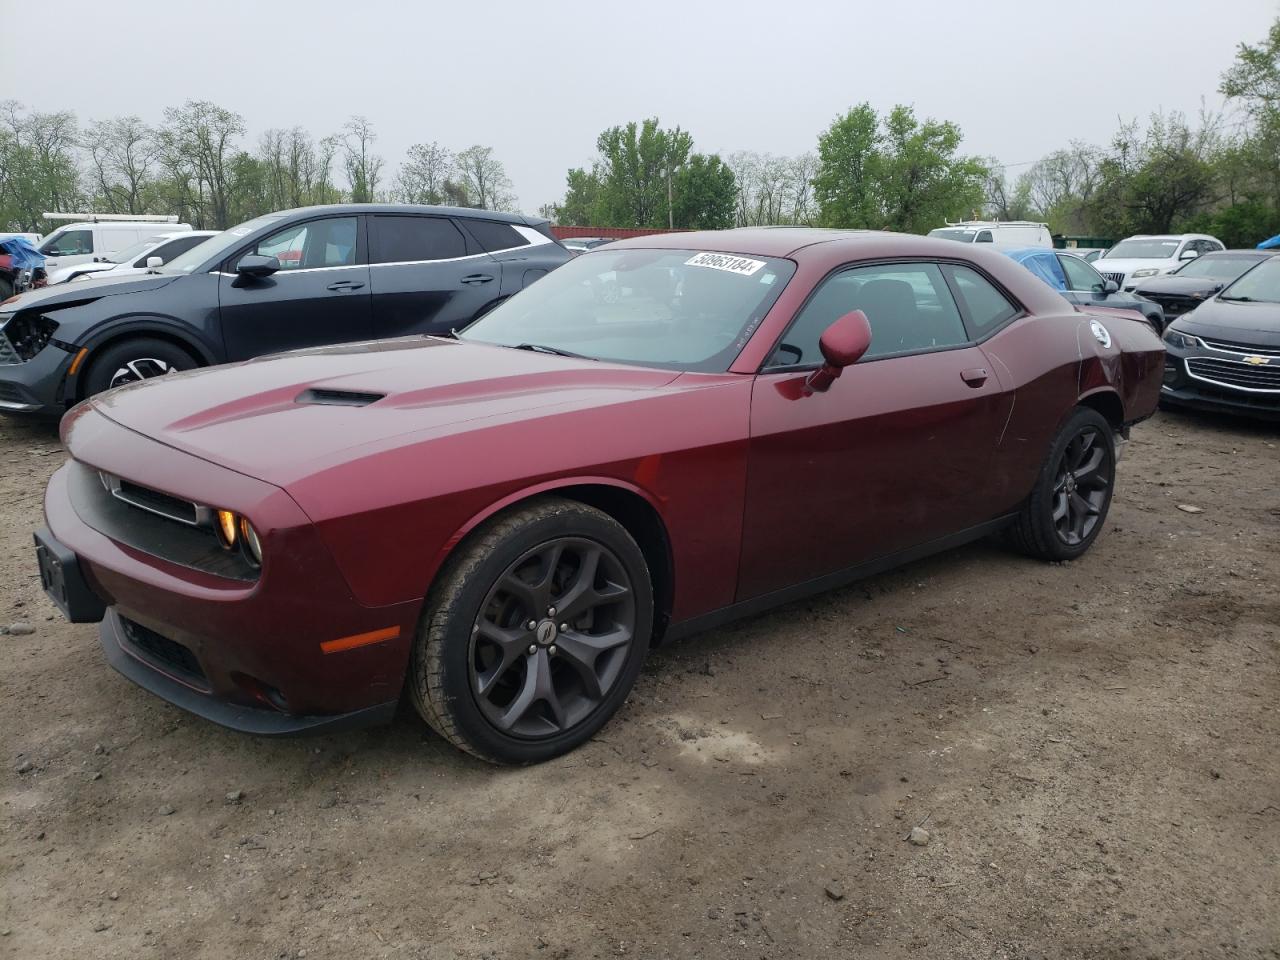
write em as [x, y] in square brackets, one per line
[81, 242]
[1009, 233]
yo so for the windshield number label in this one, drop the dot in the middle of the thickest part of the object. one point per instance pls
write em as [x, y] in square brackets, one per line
[723, 261]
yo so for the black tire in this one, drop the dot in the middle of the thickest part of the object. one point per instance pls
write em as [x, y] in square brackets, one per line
[6, 288]
[1084, 450]
[137, 358]
[478, 673]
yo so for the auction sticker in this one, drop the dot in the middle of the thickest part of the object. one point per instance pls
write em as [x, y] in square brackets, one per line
[725, 261]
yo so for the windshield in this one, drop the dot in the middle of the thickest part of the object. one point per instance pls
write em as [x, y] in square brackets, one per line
[1261, 284]
[128, 253]
[964, 236]
[678, 309]
[1215, 267]
[221, 243]
[1143, 249]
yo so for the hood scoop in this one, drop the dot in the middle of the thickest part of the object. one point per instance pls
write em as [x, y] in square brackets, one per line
[338, 398]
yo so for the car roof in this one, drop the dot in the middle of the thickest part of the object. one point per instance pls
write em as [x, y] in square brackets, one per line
[819, 249]
[466, 212]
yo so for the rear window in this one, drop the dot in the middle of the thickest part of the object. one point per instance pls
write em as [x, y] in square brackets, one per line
[493, 236]
[411, 239]
[987, 307]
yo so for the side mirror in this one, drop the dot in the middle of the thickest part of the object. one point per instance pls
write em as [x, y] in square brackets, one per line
[1110, 286]
[257, 266]
[1188, 254]
[154, 262]
[842, 345]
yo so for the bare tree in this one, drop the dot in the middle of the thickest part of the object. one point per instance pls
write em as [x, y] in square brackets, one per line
[423, 173]
[198, 144]
[364, 168]
[483, 179]
[123, 153]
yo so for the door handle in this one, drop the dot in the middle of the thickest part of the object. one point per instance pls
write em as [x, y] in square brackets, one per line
[345, 285]
[477, 278]
[975, 376]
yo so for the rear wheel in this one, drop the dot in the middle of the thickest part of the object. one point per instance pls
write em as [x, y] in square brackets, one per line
[534, 633]
[6, 288]
[1067, 507]
[138, 358]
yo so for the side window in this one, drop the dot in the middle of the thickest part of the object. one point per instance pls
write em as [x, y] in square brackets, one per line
[73, 243]
[410, 239]
[1081, 276]
[178, 245]
[984, 237]
[493, 236]
[908, 305]
[317, 243]
[987, 307]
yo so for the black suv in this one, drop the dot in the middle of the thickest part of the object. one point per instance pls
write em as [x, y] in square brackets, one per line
[300, 278]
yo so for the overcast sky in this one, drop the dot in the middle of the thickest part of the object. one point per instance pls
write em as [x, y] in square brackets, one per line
[538, 80]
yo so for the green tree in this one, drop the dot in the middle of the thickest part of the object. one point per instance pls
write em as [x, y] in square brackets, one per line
[637, 168]
[896, 173]
[38, 165]
[921, 178]
[703, 194]
[846, 182]
[197, 145]
[1154, 181]
[581, 204]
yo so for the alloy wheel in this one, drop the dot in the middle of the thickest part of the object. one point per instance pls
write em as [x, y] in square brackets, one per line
[144, 368]
[1082, 483]
[552, 637]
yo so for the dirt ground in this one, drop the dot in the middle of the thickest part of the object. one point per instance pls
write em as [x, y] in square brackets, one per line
[1092, 748]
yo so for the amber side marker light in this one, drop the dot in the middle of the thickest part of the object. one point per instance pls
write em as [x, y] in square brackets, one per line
[359, 640]
[75, 364]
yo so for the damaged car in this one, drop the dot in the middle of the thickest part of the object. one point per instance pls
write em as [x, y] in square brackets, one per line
[499, 525]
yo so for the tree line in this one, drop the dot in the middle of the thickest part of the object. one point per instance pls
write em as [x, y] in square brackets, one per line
[1215, 173]
[196, 165]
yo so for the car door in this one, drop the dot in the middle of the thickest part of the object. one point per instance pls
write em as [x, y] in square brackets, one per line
[319, 295]
[1085, 285]
[427, 276]
[901, 450]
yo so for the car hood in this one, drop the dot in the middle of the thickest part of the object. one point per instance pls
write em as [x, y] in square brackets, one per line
[103, 285]
[1252, 323]
[1179, 286]
[63, 274]
[1128, 266]
[287, 417]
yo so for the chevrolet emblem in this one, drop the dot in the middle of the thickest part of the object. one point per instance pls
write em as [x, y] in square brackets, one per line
[1257, 361]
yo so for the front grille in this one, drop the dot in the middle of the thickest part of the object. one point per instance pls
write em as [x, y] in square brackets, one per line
[162, 503]
[1234, 373]
[1117, 277]
[161, 652]
[1245, 348]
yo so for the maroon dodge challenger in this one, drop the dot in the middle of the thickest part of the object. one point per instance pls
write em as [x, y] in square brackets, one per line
[658, 436]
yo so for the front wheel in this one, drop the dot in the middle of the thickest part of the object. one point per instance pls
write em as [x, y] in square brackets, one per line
[137, 358]
[1067, 507]
[534, 634]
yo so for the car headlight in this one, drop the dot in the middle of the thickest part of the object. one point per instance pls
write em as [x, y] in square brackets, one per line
[252, 545]
[29, 333]
[1144, 272]
[235, 531]
[1181, 340]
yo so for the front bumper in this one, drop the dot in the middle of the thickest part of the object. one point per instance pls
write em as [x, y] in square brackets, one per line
[36, 387]
[250, 655]
[1183, 388]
